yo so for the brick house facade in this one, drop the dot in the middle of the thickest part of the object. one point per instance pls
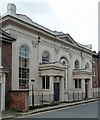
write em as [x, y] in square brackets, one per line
[96, 70]
[98, 56]
[6, 62]
[7, 65]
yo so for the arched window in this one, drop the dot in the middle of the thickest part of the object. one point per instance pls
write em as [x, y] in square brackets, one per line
[23, 67]
[87, 66]
[76, 64]
[45, 57]
[94, 85]
[63, 61]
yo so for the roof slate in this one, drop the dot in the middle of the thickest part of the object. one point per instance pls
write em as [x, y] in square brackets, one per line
[6, 36]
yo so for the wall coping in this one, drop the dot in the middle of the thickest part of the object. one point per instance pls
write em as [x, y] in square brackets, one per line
[19, 90]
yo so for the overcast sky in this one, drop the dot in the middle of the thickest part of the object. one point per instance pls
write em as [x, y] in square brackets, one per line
[79, 18]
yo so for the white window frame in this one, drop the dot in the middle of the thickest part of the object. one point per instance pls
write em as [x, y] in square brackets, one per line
[78, 83]
[45, 86]
[24, 67]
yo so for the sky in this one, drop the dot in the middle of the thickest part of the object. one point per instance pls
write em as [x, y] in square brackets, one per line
[79, 18]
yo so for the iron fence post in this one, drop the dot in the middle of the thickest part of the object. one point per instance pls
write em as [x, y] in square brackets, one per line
[82, 95]
[78, 95]
[73, 96]
[93, 93]
[68, 96]
[42, 98]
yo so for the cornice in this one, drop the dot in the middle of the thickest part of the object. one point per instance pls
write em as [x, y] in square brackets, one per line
[22, 24]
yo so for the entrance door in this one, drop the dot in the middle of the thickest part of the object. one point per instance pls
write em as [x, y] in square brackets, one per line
[86, 88]
[56, 91]
[0, 96]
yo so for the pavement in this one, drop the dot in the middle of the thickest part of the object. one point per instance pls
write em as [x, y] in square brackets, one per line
[10, 114]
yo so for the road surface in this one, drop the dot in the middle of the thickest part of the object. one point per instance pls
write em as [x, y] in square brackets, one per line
[88, 110]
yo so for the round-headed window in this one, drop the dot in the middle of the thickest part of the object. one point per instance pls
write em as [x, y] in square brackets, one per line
[45, 57]
[76, 64]
[63, 61]
[23, 67]
[87, 66]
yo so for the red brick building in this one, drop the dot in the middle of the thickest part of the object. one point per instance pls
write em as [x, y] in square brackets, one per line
[98, 56]
[6, 63]
[96, 70]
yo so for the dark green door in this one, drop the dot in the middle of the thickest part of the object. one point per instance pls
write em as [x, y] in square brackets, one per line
[86, 89]
[56, 91]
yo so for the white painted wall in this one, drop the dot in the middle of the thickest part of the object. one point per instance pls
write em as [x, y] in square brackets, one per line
[29, 36]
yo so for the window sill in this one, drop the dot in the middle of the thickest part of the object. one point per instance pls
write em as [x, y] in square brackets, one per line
[78, 88]
[45, 89]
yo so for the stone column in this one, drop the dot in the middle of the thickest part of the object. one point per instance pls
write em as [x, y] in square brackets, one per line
[67, 85]
[62, 89]
[51, 88]
[83, 85]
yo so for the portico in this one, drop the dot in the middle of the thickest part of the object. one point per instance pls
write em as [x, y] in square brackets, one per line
[56, 74]
[84, 75]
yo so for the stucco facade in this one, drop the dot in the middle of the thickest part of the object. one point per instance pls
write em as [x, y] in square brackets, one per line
[63, 52]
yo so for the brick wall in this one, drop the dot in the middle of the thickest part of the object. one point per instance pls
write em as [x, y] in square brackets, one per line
[7, 65]
[99, 70]
[95, 78]
[19, 100]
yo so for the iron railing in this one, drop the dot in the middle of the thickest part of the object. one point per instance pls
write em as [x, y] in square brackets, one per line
[68, 97]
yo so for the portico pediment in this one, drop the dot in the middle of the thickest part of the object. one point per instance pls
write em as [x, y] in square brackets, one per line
[68, 39]
[51, 70]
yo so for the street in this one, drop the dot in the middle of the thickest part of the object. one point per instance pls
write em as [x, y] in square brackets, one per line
[89, 110]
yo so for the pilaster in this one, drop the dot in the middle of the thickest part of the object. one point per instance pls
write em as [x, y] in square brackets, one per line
[62, 89]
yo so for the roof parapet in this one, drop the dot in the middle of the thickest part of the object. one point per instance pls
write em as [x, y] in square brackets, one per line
[11, 10]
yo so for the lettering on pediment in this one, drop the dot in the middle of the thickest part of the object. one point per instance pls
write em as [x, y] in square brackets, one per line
[57, 49]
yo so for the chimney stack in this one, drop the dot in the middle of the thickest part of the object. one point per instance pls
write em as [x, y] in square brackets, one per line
[11, 9]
